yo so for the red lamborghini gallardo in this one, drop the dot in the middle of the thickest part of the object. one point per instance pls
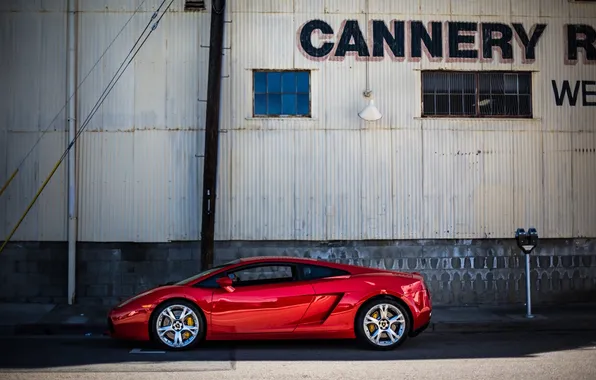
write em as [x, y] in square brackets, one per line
[278, 298]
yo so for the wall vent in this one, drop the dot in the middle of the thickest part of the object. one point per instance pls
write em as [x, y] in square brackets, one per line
[194, 5]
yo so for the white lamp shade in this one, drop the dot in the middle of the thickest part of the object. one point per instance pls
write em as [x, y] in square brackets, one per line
[370, 112]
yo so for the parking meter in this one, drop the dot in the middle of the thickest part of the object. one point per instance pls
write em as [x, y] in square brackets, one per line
[532, 238]
[522, 238]
[527, 241]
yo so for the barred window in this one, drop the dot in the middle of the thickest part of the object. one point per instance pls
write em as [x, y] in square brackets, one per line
[476, 94]
[194, 5]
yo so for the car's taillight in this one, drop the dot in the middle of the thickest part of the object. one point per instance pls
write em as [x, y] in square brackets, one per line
[421, 279]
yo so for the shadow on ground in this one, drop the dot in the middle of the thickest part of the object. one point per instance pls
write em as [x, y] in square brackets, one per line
[70, 353]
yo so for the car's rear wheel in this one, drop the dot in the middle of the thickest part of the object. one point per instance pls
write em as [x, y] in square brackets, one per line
[382, 324]
[177, 325]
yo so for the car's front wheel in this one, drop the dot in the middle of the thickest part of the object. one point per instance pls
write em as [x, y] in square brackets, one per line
[382, 324]
[177, 325]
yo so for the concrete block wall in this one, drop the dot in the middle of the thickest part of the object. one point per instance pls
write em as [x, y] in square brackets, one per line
[463, 272]
[458, 272]
[106, 273]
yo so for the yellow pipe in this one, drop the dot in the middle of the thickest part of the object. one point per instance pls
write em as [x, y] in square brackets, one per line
[31, 204]
[8, 182]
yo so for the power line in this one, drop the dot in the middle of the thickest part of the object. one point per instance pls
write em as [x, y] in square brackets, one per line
[69, 99]
[88, 119]
[94, 110]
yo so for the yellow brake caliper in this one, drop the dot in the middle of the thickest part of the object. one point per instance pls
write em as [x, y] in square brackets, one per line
[371, 327]
[186, 334]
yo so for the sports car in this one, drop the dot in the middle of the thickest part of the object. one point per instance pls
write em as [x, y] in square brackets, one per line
[278, 298]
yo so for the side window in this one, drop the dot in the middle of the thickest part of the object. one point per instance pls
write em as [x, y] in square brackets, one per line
[262, 275]
[211, 282]
[315, 272]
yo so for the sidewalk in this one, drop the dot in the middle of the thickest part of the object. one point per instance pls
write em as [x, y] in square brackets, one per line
[571, 317]
[48, 319]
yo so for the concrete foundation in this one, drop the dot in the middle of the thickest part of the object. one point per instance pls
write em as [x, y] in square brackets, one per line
[458, 272]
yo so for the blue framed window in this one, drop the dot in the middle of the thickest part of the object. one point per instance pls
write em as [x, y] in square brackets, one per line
[281, 93]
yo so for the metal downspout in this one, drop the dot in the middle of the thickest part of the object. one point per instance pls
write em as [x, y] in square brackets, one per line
[71, 119]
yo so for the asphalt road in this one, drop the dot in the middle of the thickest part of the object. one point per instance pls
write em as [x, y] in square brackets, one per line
[430, 356]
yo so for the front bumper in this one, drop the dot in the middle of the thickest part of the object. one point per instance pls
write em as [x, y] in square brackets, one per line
[129, 323]
[111, 329]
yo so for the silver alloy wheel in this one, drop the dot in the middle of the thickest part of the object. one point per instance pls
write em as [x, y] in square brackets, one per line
[379, 323]
[177, 326]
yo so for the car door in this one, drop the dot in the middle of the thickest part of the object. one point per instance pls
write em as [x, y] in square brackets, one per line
[266, 298]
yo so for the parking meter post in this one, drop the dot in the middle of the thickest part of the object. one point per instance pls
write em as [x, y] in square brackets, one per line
[527, 241]
[528, 289]
[531, 244]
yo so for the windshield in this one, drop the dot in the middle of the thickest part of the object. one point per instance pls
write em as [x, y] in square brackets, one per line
[206, 273]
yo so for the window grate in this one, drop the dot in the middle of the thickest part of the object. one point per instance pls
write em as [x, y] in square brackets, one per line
[488, 94]
[194, 5]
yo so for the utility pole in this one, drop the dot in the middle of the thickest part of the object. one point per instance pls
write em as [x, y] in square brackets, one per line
[212, 133]
[72, 129]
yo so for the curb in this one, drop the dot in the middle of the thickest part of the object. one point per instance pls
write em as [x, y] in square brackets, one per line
[525, 326]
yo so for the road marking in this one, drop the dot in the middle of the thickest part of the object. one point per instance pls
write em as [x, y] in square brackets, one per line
[141, 351]
[76, 319]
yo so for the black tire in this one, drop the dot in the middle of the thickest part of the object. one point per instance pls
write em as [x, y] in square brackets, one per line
[361, 333]
[153, 325]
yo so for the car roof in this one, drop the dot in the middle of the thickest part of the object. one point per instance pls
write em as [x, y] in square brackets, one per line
[275, 258]
[289, 259]
[354, 269]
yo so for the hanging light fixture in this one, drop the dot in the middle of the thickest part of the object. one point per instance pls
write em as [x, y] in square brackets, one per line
[370, 112]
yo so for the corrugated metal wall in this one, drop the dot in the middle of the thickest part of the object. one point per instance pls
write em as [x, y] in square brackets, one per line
[32, 75]
[139, 177]
[331, 177]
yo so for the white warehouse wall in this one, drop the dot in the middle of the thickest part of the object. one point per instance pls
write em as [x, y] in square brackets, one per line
[329, 177]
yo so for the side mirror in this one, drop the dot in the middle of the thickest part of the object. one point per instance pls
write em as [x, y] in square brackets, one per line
[225, 283]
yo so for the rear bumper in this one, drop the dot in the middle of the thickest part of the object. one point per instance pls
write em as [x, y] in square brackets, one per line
[419, 330]
[422, 322]
[421, 310]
